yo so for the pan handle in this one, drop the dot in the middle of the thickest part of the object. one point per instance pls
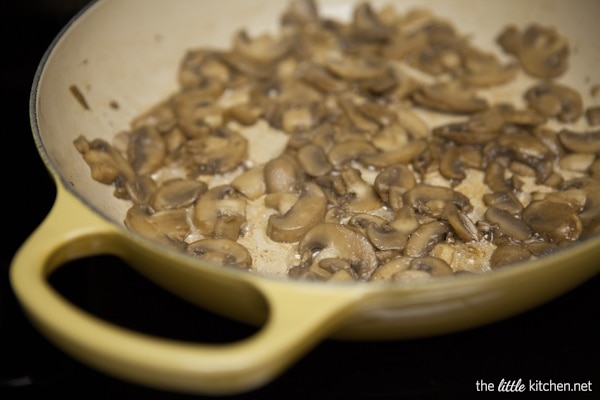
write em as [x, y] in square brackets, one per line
[299, 317]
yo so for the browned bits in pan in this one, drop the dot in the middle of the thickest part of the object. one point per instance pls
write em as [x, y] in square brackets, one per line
[316, 144]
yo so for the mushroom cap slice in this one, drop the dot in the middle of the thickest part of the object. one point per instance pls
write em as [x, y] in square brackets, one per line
[177, 193]
[555, 100]
[304, 214]
[555, 221]
[339, 241]
[221, 251]
[580, 142]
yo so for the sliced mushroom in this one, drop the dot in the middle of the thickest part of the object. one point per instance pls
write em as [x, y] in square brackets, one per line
[431, 265]
[592, 115]
[264, 49]
[422, 240]
[217, 153]
[138, 220]
[453, 97]
[140, 190]
[507, 223]
[367, 25]
[580, 142]
[308, 211]
[282, 174]
[422, 193]
[590, 213]
[251, 183]
[553, 100]
[508, 254]
[555, 221]
[385, 237]
[359, 195]
[543, 53]
[221, 251]
[172, 223]
[339, 241]
[106, 164]
[504, 201]
[356, 68]
[404, 154]
[313, 159]
[220, 212]
[343, 152]
[177, 193]
[451, 166]
[196, 110]
[397, 176]
[390, 270]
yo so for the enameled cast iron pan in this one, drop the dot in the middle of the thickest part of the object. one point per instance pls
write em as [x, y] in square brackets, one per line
[128, 52]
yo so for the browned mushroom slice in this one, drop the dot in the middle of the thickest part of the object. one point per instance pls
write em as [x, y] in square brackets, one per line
[424, 238]
[353, 69]
[300, 12]
[495, 177]
[199, 65]
[590, 213]
[508, 224]
[390, 270]
[553, 100]
[221, 252]
[141, 189]
[461, 224]
[401, 155]
[251, 183]
[166, 229]
[220, 212]
[282, 174]
[177, 193]
[243, 113]
[367, 25]
[344, 152]
[452, 97]
[196, 110]
[423, 193]
[328, 240]
[263, 49]
[451, 166]
[385, 237]
[217, 153]
[313, 159]
[580, 142]
[592, 115]
[318, 77]
[543, 53]
[555, 221]
[107, 165]
[359, 195]
[397, 175]
[161, 116]
[509, 253]
[308, 211]
[172, 223]
[484, 69]
[432, 265]
[503, 200]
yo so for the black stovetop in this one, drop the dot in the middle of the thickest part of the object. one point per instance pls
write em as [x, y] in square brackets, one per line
[556, 342]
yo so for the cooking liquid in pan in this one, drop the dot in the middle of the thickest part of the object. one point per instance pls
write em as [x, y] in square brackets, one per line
[327, 116]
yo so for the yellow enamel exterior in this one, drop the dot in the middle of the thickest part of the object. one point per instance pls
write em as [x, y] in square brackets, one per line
[293, 316]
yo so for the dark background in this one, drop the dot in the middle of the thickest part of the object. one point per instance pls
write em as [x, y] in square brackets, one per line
[558, 341]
